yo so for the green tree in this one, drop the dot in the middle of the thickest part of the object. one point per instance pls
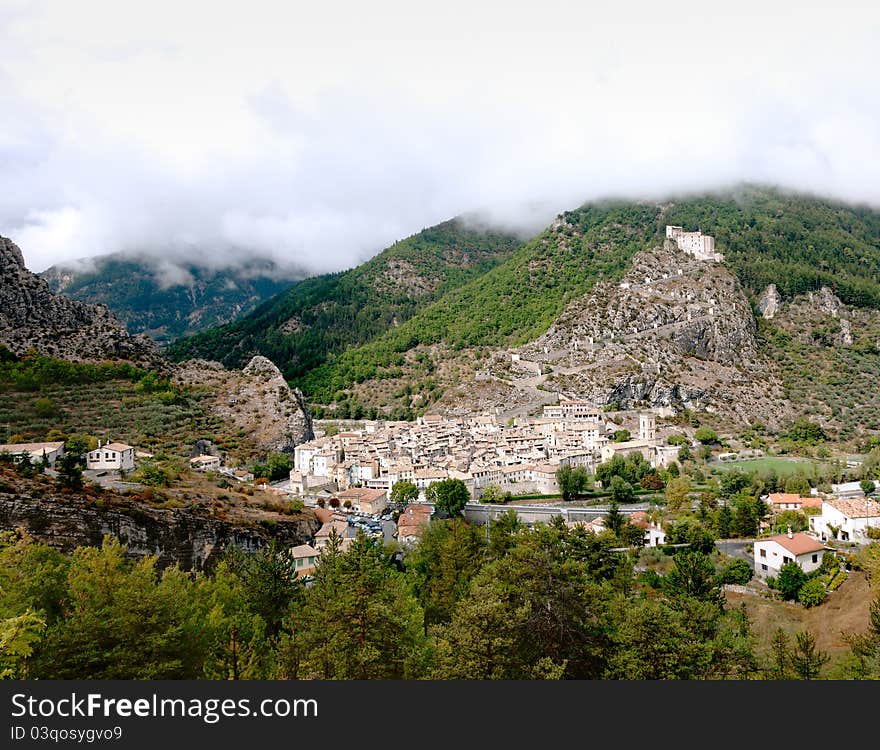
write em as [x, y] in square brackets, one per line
[403, 493]
[621, 436]
[442, 565]
[806, 661]
[449, 496]
[69, 471]
[621, 491]
[693, 575]
[677, 493]
[494, 494]
[736, 572]
[867, 486]
[780, 656]
[790, 580]
[537, 606]
[359, 620]
[812, 593]
[123, 621]
[572, 481]
[706, 436]
[18, 636]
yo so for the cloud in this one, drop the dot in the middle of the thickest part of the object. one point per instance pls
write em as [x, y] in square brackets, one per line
[316, 136]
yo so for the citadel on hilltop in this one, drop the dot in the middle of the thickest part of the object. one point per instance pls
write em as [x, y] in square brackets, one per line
[701, 246]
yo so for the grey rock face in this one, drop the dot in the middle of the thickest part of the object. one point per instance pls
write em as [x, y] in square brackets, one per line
[177, 536]
[256, 399]
[32, 317]
[769, 302]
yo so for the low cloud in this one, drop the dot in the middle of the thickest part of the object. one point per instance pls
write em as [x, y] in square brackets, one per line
[313, 140]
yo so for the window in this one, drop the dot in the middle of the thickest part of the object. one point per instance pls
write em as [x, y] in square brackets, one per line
[763, 566]
[299, 563]
[763, 553]
[815, 558]
[786, 559]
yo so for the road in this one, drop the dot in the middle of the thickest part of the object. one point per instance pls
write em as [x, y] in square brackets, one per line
[735, 548]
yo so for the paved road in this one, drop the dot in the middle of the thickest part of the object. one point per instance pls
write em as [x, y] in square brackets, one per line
[388, 529]
[735, 548]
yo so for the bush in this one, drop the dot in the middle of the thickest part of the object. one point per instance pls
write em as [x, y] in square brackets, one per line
[736, 572]
[812, 593]
[790, 580]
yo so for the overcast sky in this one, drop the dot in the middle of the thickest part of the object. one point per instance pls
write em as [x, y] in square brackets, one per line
[318, 133]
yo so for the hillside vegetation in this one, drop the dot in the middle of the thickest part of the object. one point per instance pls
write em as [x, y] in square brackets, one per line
[42, 398]
[796, 241]
[325, 315]
[191, 300]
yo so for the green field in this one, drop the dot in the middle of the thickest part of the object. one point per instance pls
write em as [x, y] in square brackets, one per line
[782, 466]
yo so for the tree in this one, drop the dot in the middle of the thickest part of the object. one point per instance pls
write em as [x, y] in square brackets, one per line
[806, 661]
[790, 580]
[18, 636]
[69, 471]
[359, 620]
[614, 519]
[621, 491]
[492, 493]
[123, 621]
[812, 593]
[677, 493]
[693, 575]
[867, 486]
[684, 453]
[781, 656]
[736, 572]
[621, 436]
[797, 484]
[572, 481]
[441, 566]
[706, 436]
[403, 493]
[449, 496]
[652, 481]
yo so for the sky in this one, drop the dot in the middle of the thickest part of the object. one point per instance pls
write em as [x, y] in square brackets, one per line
[316, 134]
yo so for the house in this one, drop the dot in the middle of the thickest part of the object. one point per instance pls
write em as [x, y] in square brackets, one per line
[305, 559]
[781, 501]
[364, 500]
[654, 534]
[112, 456]
[328, 529]
[205, 463]
[847, 519]
[412, 522]
[772, 553]
[850, 489]
[35, 451]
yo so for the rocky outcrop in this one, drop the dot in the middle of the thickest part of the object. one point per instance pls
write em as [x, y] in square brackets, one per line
[675, 331]
[190, 538]
[256, 399]
[33, 317]
[769, 302]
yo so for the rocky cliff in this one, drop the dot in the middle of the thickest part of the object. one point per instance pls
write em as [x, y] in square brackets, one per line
[256, 399]
[674, 331]
[32, 317]
[189, 537]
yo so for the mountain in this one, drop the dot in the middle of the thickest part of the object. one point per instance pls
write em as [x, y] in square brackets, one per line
[164, 300]
[800, 243]
[323, 316]
[32, 317]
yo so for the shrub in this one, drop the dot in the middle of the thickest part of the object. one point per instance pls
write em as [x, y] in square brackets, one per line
[812, 593]
[736, 572]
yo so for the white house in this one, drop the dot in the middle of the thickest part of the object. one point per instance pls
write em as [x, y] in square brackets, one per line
[849, 517]
[205, 463]
[112, 456]
[36, 451]
[772, 553]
